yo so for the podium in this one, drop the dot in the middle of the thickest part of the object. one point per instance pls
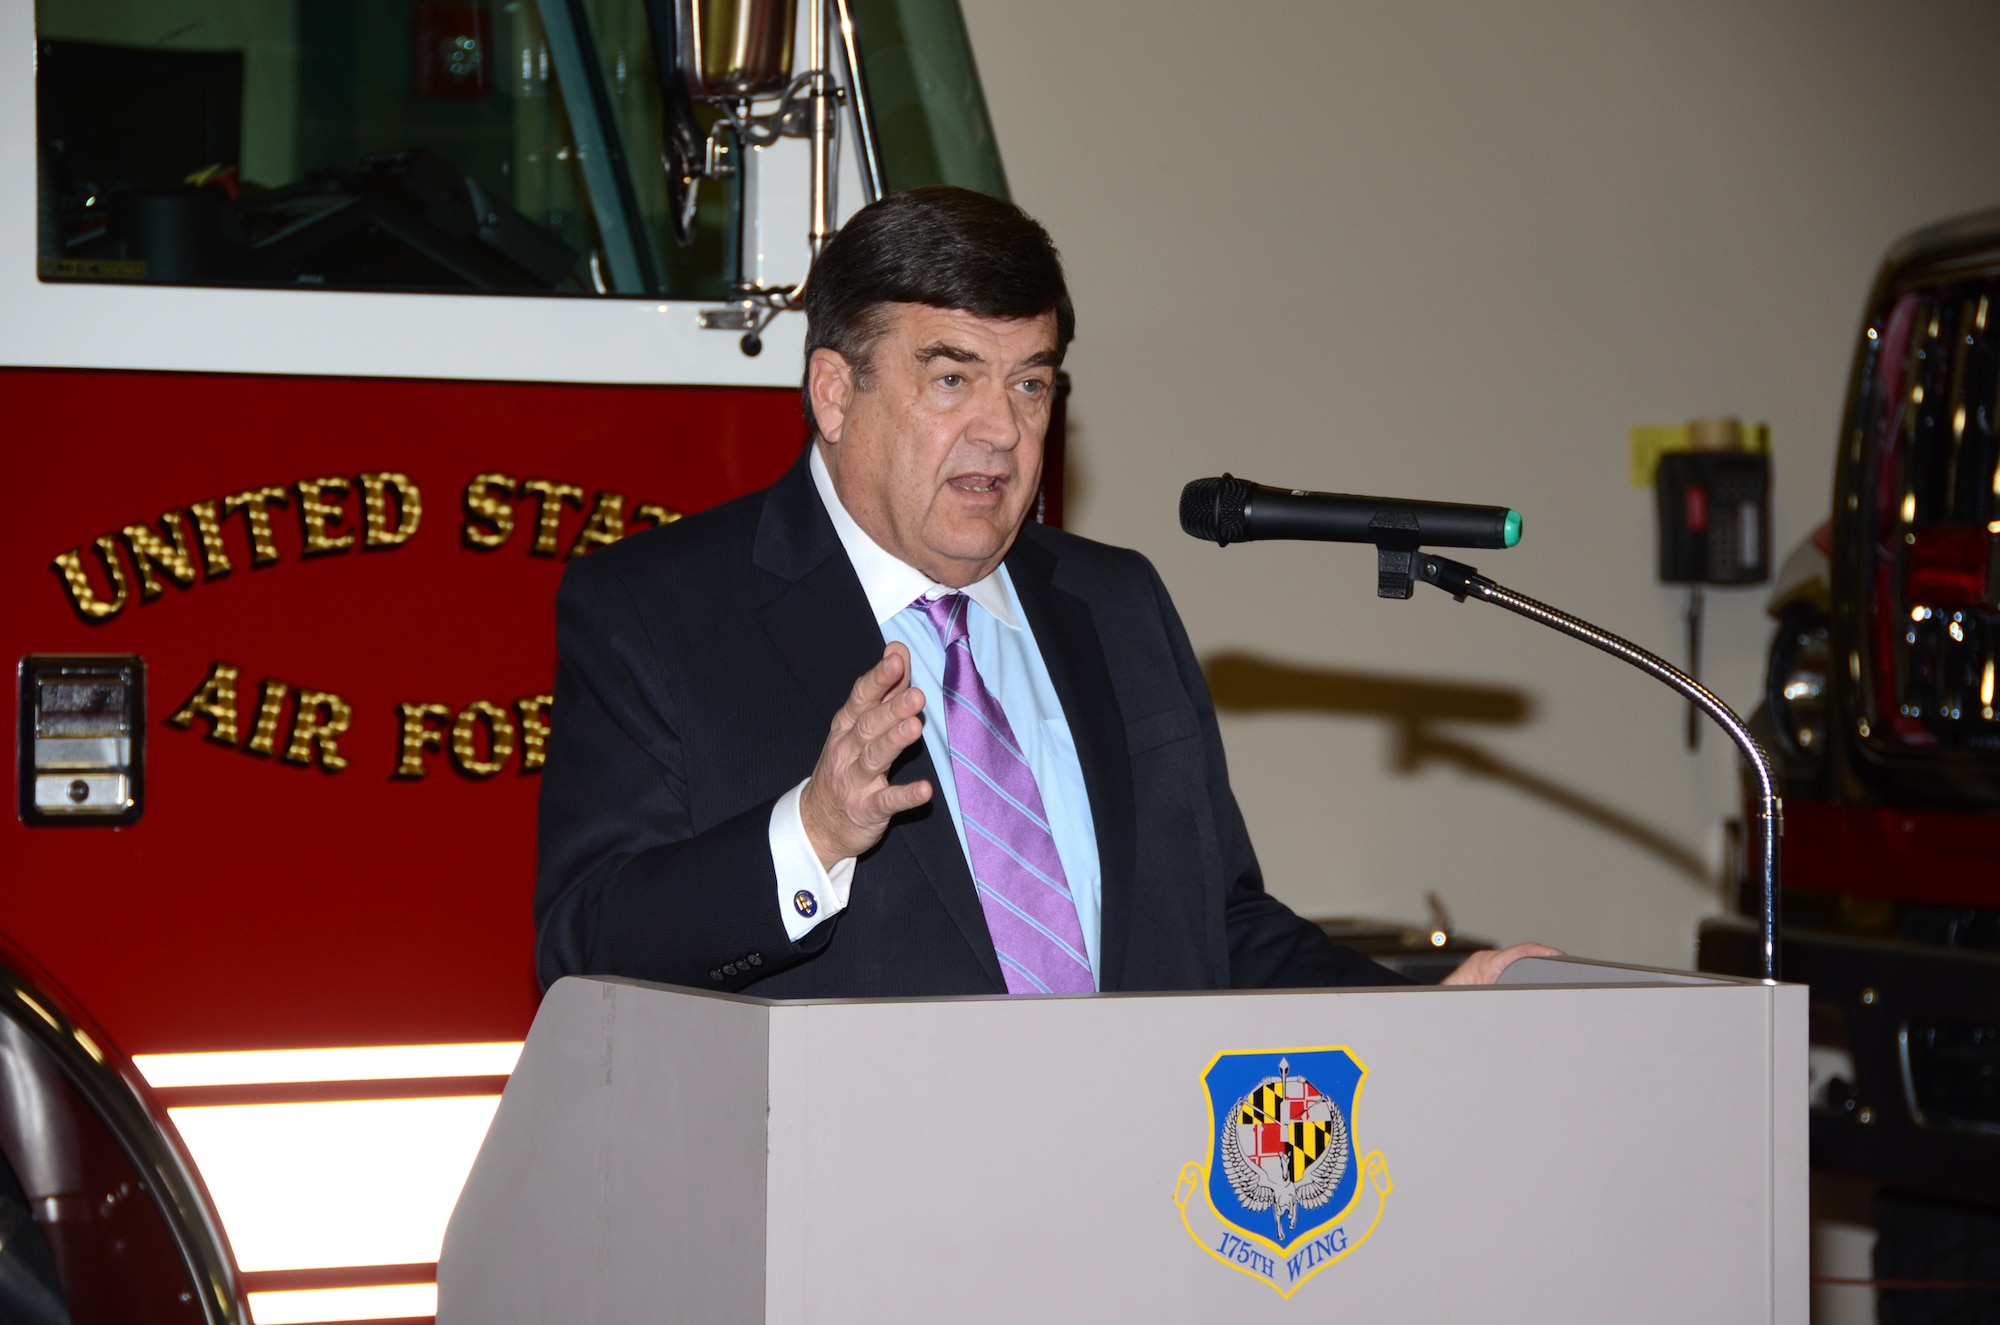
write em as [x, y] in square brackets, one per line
[1579, 1143]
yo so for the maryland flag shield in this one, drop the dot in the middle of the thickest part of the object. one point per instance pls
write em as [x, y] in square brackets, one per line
[1283, 1194]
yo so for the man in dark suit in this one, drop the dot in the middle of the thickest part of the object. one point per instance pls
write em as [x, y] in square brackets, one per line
[1024, 790]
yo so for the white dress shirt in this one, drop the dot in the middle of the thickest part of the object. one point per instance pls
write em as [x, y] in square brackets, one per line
[1010, 663]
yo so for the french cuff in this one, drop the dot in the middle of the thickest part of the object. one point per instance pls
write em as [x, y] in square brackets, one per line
[808, 892]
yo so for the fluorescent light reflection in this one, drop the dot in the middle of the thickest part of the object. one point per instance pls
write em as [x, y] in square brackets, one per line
[386, 1063]
[357, 1182]
[300, 1306]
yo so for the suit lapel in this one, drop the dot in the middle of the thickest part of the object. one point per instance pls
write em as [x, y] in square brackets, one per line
[1066, 632]
[819, 619]
[816, 613]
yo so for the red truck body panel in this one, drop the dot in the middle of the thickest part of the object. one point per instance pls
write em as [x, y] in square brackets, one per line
[263, 902]
[1925, 857]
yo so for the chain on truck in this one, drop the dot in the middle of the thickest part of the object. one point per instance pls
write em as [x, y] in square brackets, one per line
[350, 323]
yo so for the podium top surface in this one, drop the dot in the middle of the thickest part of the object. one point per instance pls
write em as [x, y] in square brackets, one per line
[1527, 973]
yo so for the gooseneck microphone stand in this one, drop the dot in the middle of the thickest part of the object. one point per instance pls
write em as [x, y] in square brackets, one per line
[1462, 581]
[1232, 510]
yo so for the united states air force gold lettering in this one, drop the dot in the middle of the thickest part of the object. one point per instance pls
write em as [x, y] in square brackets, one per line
[376, 511]
[271, 718]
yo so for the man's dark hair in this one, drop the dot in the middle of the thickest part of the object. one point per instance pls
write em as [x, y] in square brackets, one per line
[938, 245]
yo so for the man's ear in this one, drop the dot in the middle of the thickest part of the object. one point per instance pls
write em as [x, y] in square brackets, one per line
[830, 387]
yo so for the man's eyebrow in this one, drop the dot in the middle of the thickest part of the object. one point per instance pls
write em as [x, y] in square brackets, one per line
[936, 350]
[940, 350]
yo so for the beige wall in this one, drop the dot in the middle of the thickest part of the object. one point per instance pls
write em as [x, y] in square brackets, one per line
[1455, 250]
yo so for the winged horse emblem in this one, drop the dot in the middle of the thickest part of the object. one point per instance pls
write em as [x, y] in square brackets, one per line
[1284, 1147]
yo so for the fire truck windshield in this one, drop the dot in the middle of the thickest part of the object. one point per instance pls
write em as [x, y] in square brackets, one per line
[457, 145]
[927, 108]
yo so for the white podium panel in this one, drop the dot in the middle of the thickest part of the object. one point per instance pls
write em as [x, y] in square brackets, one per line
[1603, 1144]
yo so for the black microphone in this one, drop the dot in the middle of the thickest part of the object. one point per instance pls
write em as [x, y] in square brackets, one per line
[1233, 510]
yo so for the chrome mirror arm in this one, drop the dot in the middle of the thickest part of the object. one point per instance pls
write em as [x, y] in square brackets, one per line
[821, 112]
[809, 108]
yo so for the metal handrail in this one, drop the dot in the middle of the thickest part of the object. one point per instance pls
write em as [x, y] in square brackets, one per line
[112, 1087]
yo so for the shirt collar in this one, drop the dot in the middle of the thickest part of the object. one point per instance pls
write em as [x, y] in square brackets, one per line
[890, 583]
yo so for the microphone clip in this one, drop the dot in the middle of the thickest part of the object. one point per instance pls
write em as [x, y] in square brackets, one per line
[1397, 571]
[1395, 553]
[1393, 571]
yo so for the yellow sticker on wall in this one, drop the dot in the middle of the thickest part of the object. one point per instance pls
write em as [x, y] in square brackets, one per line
[1650, 441]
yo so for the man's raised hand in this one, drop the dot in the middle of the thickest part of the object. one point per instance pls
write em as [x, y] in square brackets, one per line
[850, 800]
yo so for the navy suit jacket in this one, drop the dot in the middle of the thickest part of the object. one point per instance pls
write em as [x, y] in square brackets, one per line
[701, 664]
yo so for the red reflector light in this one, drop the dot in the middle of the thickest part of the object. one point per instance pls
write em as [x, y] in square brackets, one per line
[1696, 501]
[1947, 567]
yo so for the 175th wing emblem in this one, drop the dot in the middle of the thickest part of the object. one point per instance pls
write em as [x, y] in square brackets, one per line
[1285, 1195]
[1285, 1148]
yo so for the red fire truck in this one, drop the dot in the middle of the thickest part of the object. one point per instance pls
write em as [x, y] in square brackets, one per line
[1882, 716]
[348, 324]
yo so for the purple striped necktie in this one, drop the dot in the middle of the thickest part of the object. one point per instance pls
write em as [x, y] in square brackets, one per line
[1020, 879]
